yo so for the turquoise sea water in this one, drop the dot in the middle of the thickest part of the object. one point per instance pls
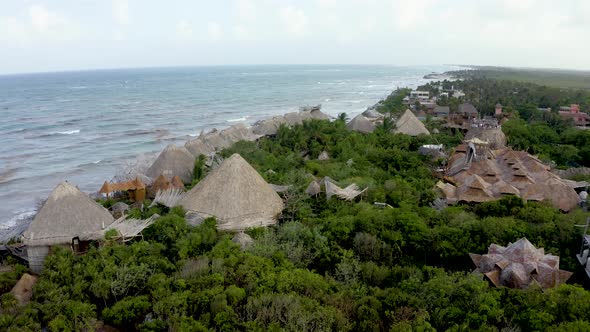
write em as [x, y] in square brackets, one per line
[85, 126]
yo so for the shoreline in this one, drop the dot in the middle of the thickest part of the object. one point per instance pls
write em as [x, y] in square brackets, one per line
[114, 164]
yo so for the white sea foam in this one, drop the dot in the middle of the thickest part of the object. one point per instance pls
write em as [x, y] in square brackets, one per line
[19, 216]
[68, 132]
[238, 119]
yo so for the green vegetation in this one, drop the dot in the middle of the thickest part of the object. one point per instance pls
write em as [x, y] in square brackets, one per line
[559, 78]
[328, 265]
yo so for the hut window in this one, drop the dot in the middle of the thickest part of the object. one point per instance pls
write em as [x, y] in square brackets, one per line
[76, 244]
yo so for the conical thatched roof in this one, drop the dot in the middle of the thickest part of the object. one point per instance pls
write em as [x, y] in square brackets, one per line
[361, 124]
[66, 214]
[236, 194]
[174, 160]
[409, 124]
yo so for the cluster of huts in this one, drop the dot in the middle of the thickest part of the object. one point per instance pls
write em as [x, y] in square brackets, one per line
[480, 170]
[483, 169]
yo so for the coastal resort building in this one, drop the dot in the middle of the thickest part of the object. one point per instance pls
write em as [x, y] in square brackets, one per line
[135, 189]
[269, 127]
[409, 124]
[476, 173]
[520, 265]
[173, 161]
[208, 143]
[236, 195]
[441, 112]
[580, 119]
[361, 124]
[68, 218]
[463, 118]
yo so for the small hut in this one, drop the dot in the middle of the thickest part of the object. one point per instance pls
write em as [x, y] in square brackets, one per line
[173, 161]
[236, 194]
[519, 265]
[135, 189]
[409, 124]
[361, 124]
[69, 218]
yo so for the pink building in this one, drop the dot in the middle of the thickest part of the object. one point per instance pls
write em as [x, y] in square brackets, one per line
[580, 119]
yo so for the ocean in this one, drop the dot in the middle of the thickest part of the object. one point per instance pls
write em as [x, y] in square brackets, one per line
[86, 126]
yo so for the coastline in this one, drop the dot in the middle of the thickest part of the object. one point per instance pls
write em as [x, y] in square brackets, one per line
[104, 167]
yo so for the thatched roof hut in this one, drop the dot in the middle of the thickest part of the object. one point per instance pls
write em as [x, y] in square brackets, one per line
[372, 114]
[494, 136]
[361, 124]
[519, 265]
[66, 214]
[409, 124]
[236, 195]
[174, 160]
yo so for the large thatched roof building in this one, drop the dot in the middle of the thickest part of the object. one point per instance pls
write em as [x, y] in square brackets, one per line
[269, 127]
[361, 124]
[519, 265]
[236, 195]
[173, 161]
[67, 215]
[479, 174]
[409, 124]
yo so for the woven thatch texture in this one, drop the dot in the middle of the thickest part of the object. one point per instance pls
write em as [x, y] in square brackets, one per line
[372, 114]
[361, 124]
[519, 265]
[66, 214]
[236, 194]
[494, 136]
[168, 197]
[509, 172]
[174, 160]
[409, 124]
[23, 290]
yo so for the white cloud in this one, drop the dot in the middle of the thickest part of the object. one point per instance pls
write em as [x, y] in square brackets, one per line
[120, 9]
[184, 30]
[43, 20]
[246, 10]
[242, 33]
[408, 14]
[214, 31]
[12, 30]
[294, 20]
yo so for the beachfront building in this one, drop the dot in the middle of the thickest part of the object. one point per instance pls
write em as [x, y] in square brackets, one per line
[173, 161]
[409, 124]
[69, 219]
[417, 95]
[441, 112]
[463, 118]
[236, 195]
[573, 112]
[361, 124]
[135, 189]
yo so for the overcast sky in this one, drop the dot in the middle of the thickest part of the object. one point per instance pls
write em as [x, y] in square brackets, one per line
[50, 35]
